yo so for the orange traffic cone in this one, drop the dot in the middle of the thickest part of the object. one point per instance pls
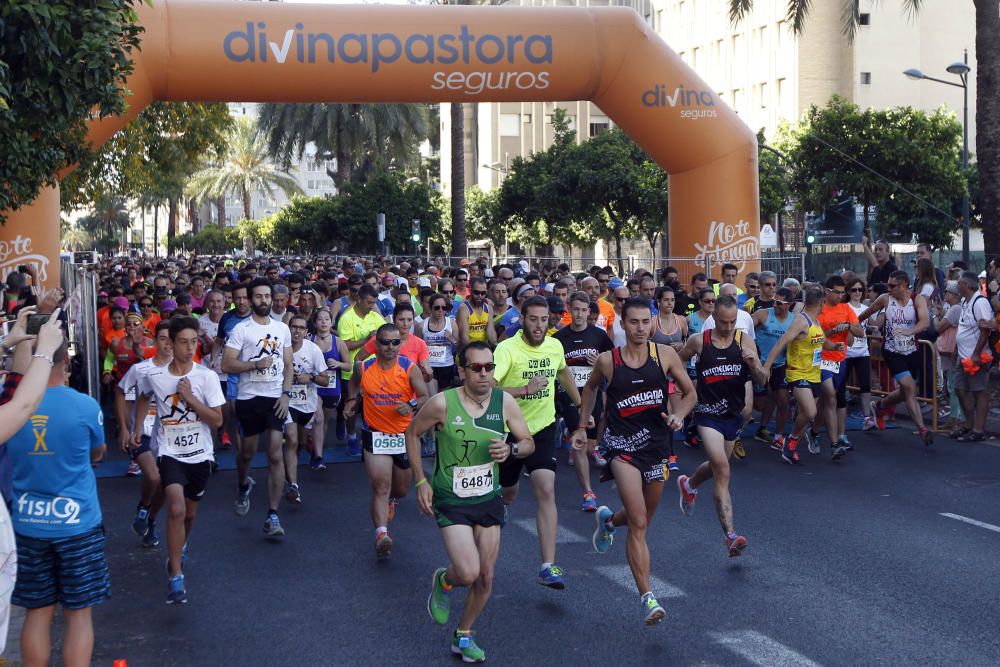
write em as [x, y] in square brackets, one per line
[120, 662]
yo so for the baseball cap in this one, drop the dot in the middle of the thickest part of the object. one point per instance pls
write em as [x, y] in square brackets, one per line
[615, 283]
[424, 282]
[120, 301]
[556, 304]
[168, 304]
[952, 287]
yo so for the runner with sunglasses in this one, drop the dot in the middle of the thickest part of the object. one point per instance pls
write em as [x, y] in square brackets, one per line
[771, 324]
[474, 316]
[464, 495]
[441, 336]
[356, 327]
[309, 372]
[391, 390]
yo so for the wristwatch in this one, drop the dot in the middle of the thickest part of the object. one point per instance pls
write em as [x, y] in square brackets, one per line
[412, 403]
[513, 450]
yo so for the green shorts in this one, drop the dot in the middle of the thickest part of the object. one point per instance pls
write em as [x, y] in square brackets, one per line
[486, 514]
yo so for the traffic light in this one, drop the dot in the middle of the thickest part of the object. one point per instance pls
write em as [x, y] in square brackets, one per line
[416, 231]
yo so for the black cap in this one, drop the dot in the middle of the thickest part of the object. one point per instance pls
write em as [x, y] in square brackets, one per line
[556, 304]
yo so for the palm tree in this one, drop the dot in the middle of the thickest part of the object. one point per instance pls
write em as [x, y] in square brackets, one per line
[243, 168]
[76, 238]
[357, 136]
[459, 243]
[108, 218]
[987, 92]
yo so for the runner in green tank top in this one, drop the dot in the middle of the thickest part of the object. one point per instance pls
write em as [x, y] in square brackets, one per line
[470, 423]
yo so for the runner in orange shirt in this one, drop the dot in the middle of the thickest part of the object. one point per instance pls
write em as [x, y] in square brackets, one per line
[840, 324]
[392, 390]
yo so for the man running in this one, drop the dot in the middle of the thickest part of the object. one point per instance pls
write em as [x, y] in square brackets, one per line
[582, 344]
[470, 423]
[240, 295]
[309, 371]
[392, 390]
[185, 443]
[726, 361]
[804, 342]
[355, 327]
[259, 349]
[527, 365]
[771, 324]
[905, 317]
[638, 437]
[473, 317]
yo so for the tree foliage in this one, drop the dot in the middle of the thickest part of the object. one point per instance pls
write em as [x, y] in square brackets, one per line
[60, 61]
[211, 240]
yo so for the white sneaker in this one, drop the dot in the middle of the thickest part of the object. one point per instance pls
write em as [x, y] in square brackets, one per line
[868, 424]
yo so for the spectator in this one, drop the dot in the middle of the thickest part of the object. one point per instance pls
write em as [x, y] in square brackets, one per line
[946, 319]
[971, 347]
[688, 303]
[880, 260]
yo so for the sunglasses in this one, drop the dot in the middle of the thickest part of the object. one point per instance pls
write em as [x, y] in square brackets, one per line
[145, 305]
[892, 285]
[708, 300]
[782, 303]
[445, 308]
[837, 291]
[298, 326]
[753, 286]
[621, 299]
[479, 293]
[857, 289]
[389, 341]
[447, 291]
[479, 368]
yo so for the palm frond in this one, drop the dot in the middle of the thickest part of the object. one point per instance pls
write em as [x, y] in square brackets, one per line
[738, 9]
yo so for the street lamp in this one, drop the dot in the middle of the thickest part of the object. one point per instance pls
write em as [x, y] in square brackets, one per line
[961, 70]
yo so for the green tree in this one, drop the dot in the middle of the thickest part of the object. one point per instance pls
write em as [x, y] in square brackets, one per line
[483, 218]
[773, 172]
[108, 219]
[60, 62]
[987, 112]
[243, 166]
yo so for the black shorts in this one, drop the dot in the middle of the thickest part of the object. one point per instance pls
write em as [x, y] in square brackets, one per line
[486, 514]
[445, 376]
[543, 458]
[571, 414]
[300, 418]
[650, 461]
[192, 476]
[145, 446]
[901, 365]
[806, 384]
[71, 571]
[861, 368]
[401, 461]
[256, 415]
[777, 382]
[330, 402]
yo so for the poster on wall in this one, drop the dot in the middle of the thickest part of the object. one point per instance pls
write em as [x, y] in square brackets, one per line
[842, 222]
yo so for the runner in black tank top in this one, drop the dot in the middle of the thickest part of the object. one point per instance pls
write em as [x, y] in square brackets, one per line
[726, 360]
[637, 438]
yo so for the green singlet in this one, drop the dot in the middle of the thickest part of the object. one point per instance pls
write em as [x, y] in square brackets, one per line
[464, 472]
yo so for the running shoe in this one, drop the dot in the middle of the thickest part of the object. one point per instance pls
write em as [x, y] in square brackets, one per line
[439, 601]
[812, 441]
[672, 463]
[141, 521]
[652, 612]
[927, 436]
[383, 545]
[272, 526]
[464, 645]
[880, 414]
[738, 451]
[341, 429]
[972, 436]
[868, 424]
[589, 502]
[763, 435]
[175, 590]
[150, 539]
[226, 442]
[243, 498]
[736, 544]
[687, 497]
[604, 536]
[292, 494]
[551, 576]
[569, 460]
[778, 443]
[354, 446]
[789, 452]
[838, 449]
[960, 432]
[392, 509]
[133, 470]
[846, 443]
[598, 460]
[316, 463]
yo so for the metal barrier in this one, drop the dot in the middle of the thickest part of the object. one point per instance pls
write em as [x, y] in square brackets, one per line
[784, 266]
[880, 370]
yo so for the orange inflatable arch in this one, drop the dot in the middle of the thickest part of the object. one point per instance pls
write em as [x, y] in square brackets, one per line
[196, 50]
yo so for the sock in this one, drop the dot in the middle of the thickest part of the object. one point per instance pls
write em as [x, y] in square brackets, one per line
[294, 485]
[380, 530]
[244, 487]
[793, 442]
[842, 438]
[731, 535]
[272, 513]
[140, 506]
[444, 582]
[609, 524]
[545, 565]
[687, 486]
[647, 594]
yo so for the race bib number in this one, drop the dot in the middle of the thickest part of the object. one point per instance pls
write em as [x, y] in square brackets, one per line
[297, 399]
[183, 435]
[130, 394]
[860, 343]
[269, 374]
[472, 481]
[388, 443]
[581, 374]
[831, 366]
[905, 344]
[149, 422]
[817, 356]
[438, 354]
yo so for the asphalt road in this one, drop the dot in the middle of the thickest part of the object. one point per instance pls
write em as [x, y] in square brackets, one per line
[847, 564]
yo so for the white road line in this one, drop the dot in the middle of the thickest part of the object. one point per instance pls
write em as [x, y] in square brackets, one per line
[965, 519]
[622, 575]
[761, 649]
[563, 535]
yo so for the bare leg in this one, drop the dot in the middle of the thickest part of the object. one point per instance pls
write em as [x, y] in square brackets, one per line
[290, 453]
[547, 516]
[488, 546]
[276, 469]
[718, 451]
[640, 501]
[176, 526]
[245, 450]
[36, 642]
[379, 469]
[78, 645]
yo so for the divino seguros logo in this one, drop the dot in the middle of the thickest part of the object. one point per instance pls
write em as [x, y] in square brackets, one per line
[693, 104]
[381, 49]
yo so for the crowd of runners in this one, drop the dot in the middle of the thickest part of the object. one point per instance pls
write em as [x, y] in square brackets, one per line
[485, 371]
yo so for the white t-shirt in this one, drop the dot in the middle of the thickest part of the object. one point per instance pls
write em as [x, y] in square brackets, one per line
[179, 432]
[744, 322]
[968, 325]
[210, 329]
[130, 385]
[309, 359]
[617, 332]
[259, 341]
[860, 347]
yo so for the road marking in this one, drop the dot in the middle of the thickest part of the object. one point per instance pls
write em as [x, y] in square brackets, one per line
[965, 519]
[761, 649]
[563, 535]
[622, 575]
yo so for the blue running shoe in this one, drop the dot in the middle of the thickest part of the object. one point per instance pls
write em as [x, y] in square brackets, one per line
[141, 521]
[603, 536]
[354, 445]
[652, 611]
[589, 502]
[552, 577]
[175, 590]
[150, 539]
[272, 526]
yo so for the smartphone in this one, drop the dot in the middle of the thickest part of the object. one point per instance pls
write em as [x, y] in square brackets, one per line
[36, 321]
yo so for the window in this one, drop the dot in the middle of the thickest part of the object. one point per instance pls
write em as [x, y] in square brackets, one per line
[866, 78]
[763, 95]
[311, 185]
[737, 100]
[695, 53]
[865, 19]
[781, 93]
[510, 125]
[599, 125]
